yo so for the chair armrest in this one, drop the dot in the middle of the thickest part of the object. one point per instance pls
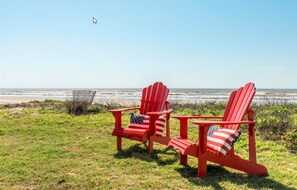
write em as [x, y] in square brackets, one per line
[183, 131]
[124, 109]
[154, 116]
[117, 114]
[197, 117]
[159, 112]
[209, 123]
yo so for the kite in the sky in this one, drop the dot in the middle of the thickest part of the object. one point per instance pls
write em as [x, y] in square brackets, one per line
[94, 20]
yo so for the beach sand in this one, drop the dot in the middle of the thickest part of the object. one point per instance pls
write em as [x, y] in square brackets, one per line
[20, 99]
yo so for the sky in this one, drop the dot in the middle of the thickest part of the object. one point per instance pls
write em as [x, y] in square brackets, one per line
[184, 44]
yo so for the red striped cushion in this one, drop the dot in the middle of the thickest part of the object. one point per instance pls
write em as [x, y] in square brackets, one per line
[222, 140]
[145, 125]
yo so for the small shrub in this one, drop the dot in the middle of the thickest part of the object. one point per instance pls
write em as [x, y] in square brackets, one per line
[290, 139]
[49, 100]
[273, 121]
[97, 108]
[76, 107]
[112, 105]
[207, 109]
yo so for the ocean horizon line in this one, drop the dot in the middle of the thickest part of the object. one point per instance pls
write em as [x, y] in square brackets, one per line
[174, 88]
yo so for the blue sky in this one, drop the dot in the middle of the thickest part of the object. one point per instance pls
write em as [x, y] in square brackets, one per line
[190, 44]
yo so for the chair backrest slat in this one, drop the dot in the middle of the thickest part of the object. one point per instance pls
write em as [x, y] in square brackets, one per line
[229, 105]
[157, 100]
[146, 99]
[153, 98]
[238, 104]
[142, 106]
[163, 98]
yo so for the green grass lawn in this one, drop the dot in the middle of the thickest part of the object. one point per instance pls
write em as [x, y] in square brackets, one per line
[48, 149]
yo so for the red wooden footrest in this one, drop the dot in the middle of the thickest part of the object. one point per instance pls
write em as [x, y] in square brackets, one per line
[131, 133]
[183, 145]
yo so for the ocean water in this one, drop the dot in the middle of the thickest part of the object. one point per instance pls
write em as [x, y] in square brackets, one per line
[176, 94]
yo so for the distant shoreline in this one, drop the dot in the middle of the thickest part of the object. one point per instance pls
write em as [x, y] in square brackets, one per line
[14, 99]
[133, 96]
[20, 99]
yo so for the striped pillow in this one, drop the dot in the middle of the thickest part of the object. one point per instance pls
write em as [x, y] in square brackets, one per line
[222, 140]
[212, 129]
[142, 122]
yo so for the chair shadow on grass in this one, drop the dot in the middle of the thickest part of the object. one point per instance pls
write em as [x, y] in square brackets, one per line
[140, 152]
[217, 174]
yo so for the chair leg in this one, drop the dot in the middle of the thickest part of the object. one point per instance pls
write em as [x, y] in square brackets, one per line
[202, 166]
[119, 143]
[150, 146]
[202, 159]
[183, 159]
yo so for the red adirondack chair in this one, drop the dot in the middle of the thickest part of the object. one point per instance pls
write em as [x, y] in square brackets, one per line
[237, 108]
[153, 102]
